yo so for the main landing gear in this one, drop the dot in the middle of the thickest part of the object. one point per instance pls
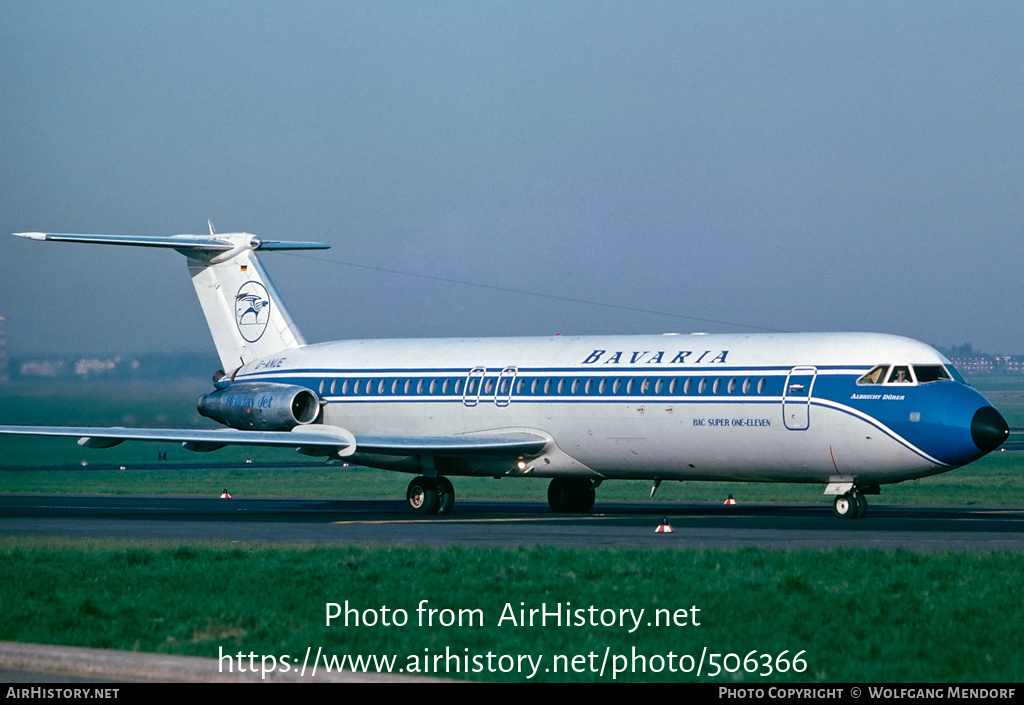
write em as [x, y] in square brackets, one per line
[571, 495]
[851, 505]
[430, 495]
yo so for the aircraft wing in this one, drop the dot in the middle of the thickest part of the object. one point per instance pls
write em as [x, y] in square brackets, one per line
[330, 439]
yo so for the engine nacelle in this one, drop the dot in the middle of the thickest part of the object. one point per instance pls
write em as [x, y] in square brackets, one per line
[263, 406]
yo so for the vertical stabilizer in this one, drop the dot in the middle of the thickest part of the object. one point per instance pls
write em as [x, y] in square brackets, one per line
[246, 315]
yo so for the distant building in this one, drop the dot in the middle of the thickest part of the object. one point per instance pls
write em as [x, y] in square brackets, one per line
[90, 367]
[983, 364]
[974, 364]
[41, 368]
[1009, 364]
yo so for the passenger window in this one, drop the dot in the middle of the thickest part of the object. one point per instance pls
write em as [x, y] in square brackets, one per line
[601, 385]
[561, 386]
[645, 386]
[900, 375]
[533, 386]
[930, 373]
[433, 386]
[519, 386]
[587, 386]
[575, 386]
[444, 387]
[615, 386]
[322, 383]
[380, 387]
[686, 386]
[761, 384]
[488, 387]
[344, 386]
[732, 386]
[458, 386]
[702, 386]
[419, 387]
[658, 386]
[672, 386]
[746, 386]
[629, 386]
[875, 376]
[547, 386]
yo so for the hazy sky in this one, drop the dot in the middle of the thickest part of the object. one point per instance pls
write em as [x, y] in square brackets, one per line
[796, 166]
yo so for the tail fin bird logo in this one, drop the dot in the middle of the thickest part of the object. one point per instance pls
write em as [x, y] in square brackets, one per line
[252, 311]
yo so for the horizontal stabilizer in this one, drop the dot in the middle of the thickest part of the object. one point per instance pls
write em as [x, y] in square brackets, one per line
[247, 317]
[190, 242]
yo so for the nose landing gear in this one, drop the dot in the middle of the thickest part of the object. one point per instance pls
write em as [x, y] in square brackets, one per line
[850, 505]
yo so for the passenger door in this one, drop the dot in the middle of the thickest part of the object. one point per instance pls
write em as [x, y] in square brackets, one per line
[796, 398]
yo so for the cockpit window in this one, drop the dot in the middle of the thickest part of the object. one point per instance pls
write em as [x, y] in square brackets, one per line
[875, 376]
[956, 375]
[900, 375]
[930, 373]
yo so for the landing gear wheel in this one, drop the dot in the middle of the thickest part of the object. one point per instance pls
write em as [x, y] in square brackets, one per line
[845, 506]
[571, 495]
[586, 499]
[422, 496]
[862, 505]
[445, 496]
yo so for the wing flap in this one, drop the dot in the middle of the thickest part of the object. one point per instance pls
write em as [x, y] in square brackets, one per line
[501, 443]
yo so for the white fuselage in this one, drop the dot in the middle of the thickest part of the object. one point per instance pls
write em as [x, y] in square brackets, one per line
[781, 407]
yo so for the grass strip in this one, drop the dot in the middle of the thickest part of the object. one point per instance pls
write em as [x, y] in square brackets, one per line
[859, 615]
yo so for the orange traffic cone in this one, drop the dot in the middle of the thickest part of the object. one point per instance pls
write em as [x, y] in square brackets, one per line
[225, 495]
[730, 500]
[664, 527]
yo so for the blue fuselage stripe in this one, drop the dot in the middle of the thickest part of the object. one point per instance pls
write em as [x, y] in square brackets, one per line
[933, 420]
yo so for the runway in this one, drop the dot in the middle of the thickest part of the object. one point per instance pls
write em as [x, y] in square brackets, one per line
[508, 523]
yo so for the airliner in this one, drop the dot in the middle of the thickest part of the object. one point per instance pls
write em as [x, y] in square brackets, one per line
[850, 411]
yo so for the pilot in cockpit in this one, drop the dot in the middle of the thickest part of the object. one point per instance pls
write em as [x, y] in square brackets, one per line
[900, 375]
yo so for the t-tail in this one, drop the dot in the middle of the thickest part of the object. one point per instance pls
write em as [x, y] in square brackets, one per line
[246, 316]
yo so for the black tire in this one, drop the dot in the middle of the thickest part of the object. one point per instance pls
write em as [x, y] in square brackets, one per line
[585, 500]
[845, 506]
[558, 498]
[862, 505]
[571, 495]
[445, 495]
[422, 496]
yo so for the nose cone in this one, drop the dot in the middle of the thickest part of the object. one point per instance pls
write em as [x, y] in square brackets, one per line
[988, 429]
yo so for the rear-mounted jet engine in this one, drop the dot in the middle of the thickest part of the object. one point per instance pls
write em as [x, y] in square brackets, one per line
[261, 406]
